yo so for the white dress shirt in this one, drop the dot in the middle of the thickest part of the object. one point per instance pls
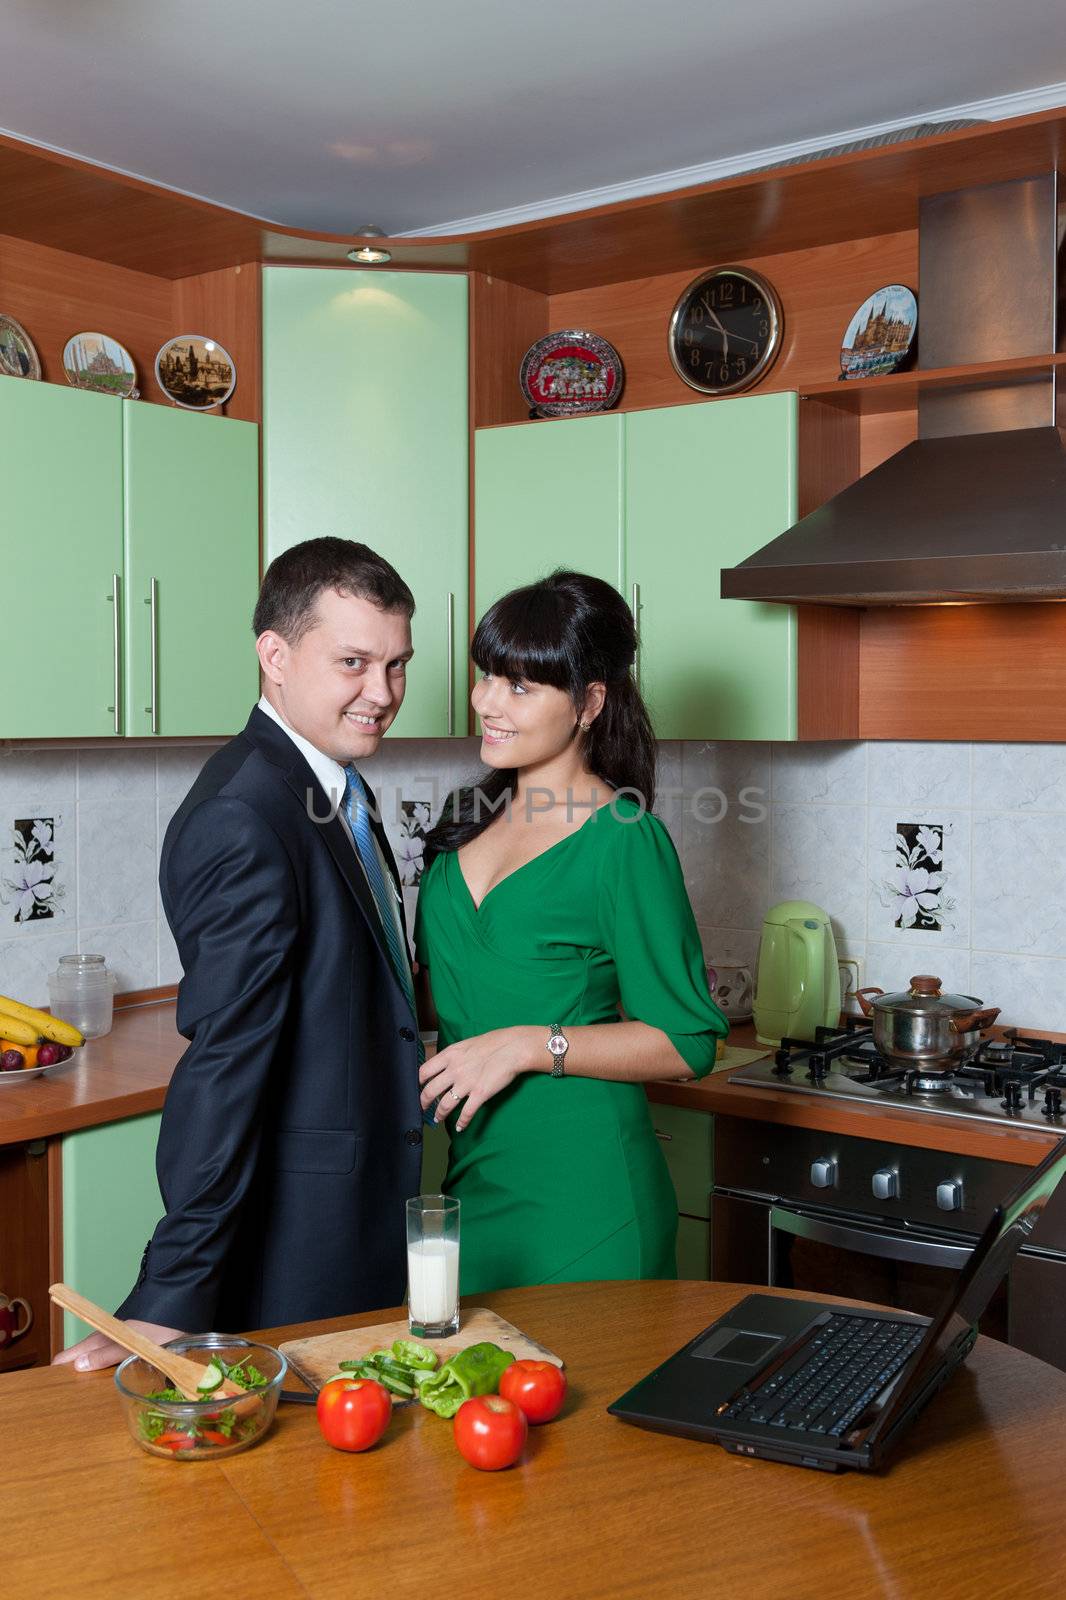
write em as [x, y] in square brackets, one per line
[334, 780]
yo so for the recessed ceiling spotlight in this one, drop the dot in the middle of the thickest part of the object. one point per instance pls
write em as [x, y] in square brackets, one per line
[369, 255]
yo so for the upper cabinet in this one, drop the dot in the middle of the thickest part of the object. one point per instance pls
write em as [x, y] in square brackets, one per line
[132, 539]
[366, 436]
[657, 502]
[192, 571]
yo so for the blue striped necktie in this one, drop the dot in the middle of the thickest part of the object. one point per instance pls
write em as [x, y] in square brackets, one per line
[357, 811]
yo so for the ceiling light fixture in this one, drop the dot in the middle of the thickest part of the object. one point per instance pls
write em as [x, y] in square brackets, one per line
[369, 255]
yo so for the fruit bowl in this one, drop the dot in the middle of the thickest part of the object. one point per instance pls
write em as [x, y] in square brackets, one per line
[201, 1430]
[12, 1073]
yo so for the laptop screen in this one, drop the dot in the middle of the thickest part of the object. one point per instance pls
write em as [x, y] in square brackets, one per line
[1009, 1227]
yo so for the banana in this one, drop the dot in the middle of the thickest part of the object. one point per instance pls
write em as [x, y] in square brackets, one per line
[18, 1032]
[37, 1022]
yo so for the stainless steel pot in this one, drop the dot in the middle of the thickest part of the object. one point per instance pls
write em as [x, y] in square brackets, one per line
[924, 1027]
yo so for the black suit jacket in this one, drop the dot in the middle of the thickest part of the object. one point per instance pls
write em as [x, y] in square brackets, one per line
[291, 1133]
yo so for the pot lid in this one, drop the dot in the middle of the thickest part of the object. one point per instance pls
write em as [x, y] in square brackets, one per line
[924, 998]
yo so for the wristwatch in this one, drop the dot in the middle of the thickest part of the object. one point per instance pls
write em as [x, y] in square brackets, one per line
[558, 1044]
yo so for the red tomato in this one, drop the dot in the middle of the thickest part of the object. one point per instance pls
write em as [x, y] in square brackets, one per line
[537, 1388]
[172, 1440]
[212, 1436]
[353, 1413]
[489, 1432]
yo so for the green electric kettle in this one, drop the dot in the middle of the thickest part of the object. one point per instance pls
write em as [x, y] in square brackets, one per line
[797, 979]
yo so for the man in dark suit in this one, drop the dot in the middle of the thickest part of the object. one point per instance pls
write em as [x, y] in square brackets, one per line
[291, 1133]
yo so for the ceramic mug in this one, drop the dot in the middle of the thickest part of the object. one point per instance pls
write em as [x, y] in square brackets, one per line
[731, 990]
[9, 1319]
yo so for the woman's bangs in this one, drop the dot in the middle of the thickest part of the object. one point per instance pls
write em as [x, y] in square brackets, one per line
[518, 638]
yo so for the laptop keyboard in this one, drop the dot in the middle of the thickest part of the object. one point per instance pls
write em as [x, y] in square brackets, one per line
[830, 1380]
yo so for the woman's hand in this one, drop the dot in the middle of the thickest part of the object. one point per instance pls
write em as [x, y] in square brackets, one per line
[472, 1071]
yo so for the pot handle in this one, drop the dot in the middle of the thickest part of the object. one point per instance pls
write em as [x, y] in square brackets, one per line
[975, 1019]
[865, 1005]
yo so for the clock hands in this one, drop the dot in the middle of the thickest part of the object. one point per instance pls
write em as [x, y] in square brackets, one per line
[737, 337]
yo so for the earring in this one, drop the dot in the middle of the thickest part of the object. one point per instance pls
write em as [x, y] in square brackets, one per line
[584, 726]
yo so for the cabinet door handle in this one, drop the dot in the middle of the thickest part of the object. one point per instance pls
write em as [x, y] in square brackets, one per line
[667, 1138]
[451, 664]
[116, 650]
[635, 608]
[152, 601]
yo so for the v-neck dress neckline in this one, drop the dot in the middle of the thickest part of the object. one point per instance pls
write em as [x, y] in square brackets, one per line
[477, 905]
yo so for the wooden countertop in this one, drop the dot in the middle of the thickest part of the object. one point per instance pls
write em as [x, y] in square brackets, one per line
[971, 1505]
[128, 1070]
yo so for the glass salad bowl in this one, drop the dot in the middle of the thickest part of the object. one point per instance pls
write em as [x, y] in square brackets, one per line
[166, 1424]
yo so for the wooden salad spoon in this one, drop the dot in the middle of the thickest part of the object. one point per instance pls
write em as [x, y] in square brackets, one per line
[184, 1373]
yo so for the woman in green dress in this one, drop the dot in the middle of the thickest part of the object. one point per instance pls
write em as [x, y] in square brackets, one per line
[553, 907]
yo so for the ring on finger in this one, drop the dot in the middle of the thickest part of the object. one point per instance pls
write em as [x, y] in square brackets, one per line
[453, 1094]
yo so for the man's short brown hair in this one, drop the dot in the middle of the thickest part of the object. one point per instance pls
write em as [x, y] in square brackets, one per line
[295, 579]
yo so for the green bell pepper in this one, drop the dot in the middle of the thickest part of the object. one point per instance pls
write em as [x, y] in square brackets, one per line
[473, 1371]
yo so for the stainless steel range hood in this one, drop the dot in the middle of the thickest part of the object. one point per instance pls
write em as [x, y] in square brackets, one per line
[975, 508]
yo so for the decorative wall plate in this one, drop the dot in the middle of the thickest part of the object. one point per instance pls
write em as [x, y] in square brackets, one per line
[195, 372]
[725, 330]
[880, 336]
[96, 361]
[571, 373]
[18, 355]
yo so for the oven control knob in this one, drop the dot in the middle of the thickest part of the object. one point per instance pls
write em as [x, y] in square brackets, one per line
[824, 1173]
[886, 1184]
[949, 1195]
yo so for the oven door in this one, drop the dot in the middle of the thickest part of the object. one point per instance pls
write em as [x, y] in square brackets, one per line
[800, 1247]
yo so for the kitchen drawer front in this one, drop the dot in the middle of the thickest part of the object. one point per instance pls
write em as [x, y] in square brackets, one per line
[686, 1140]
[111, 1204]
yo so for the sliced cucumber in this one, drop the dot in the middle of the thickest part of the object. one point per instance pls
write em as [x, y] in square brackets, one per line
[212, 1379]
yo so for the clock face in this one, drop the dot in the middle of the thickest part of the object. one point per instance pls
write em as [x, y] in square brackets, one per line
[725, 330]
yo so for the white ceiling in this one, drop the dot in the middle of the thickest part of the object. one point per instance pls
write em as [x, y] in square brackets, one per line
[323, 114]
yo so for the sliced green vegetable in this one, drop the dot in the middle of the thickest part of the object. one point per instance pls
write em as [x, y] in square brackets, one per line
[473, 1371]
[417, 1356]
[212, 1379]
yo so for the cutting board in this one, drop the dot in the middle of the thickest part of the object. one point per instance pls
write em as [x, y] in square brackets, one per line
[735, 1055]
[317, 1359]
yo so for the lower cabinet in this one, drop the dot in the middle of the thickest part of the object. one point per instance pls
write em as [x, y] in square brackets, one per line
[111, 1204]
[24, 1255]
[686, 1138]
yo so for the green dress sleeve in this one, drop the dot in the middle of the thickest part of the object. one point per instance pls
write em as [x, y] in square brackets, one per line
[647, 926]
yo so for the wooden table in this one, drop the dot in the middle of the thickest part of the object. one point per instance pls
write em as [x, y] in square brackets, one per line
[974, 1505]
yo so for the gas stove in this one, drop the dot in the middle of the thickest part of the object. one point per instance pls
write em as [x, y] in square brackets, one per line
[1012, 1078]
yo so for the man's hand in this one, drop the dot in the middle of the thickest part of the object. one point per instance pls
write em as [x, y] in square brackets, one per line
[97, 1351]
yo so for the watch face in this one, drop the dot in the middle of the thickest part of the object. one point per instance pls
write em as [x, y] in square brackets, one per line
[557, 1044]
[725, 330]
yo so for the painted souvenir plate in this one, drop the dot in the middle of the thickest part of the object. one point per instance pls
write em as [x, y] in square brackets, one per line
[195, 372]
[18, 356]
[570, 374]
[96, 361]
[880, 336]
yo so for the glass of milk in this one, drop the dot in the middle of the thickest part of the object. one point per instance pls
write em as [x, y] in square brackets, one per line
[432, 1266]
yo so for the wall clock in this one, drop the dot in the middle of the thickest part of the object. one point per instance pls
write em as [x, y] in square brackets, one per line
[725, 331]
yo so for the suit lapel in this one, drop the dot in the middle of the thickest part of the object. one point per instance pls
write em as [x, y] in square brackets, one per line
[314, 802]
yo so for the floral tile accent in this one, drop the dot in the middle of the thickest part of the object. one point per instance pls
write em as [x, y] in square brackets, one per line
[916, 889]
[411, 843]
[31, 888]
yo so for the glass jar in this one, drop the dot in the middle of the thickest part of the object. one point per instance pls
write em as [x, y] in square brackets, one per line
[81, 992]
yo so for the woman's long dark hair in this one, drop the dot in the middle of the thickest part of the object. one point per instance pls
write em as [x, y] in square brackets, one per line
[569, 630]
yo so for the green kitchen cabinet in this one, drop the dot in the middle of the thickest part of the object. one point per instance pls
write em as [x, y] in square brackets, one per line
[686, 1138]
[111, 1204]
[62, 547]
[658, 502]
[191, 499]
[435, 1144]
[548, 494]
[366, 437]
[705, 486]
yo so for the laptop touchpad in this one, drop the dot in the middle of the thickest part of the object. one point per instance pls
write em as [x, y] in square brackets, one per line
[734, 1344]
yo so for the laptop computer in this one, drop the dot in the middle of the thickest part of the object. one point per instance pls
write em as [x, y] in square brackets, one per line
[831, 1387]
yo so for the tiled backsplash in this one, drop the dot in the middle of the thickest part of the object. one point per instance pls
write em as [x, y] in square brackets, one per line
[929, 857]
